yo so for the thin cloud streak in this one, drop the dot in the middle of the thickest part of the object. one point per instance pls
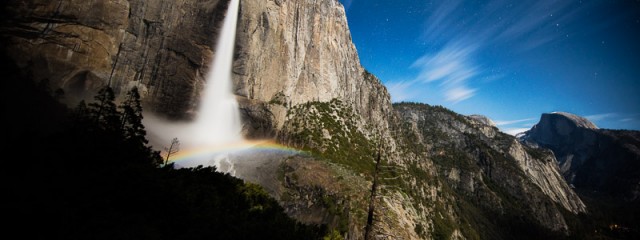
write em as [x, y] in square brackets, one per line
[526, 25]
[458, 94]
[452, 66]
[515, 131]
[509, 122]
[517, 127]
[600, 117]
[502, 21]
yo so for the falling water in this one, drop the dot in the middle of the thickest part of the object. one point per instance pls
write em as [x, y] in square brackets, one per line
[218, 120]
[217, 123]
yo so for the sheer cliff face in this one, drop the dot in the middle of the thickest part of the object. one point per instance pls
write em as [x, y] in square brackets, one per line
[301, 51]
[161, 46]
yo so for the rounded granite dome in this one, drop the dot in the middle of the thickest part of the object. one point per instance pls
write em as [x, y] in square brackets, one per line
[557, 127]
[576, 120]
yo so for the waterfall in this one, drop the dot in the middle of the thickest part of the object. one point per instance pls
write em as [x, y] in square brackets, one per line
[206, 140]
[218, 119]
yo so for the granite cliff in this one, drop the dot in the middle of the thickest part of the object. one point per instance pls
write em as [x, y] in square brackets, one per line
[293, 52]
[163, 47]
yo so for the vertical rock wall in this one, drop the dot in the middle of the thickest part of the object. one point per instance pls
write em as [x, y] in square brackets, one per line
[162, 46]
[299, 51]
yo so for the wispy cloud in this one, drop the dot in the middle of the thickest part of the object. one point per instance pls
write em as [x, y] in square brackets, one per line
[452, 66]
[515, 131]
[514, 127]
[627, 120]
[459, 36]
[600, 117]
[523, 24]
[458, 94]
[509, 122]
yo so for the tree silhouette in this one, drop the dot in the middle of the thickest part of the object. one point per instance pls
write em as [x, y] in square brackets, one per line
[173, 148]
[131, 118]
[81, 112]
[105, 186]
[374, 189]
[104, 111]
[133, 131]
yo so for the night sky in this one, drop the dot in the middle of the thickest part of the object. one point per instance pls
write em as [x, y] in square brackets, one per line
[508, 60]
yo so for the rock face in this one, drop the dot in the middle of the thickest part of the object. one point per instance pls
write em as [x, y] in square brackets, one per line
[293, 52]
[553, 127]
[485, 164]
[483, 119]
[591, 159]
[161, 46]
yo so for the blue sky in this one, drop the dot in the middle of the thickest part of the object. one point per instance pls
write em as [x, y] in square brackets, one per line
[508, 60]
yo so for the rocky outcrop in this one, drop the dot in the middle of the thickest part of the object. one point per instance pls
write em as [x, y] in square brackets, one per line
[483, 119]
[540, 167]
[161, 46]
[591, 159]
[553, 127]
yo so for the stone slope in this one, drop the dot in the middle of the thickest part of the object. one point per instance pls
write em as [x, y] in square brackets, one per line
[476, 159]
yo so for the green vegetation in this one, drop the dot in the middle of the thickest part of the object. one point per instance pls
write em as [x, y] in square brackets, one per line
[537, 153]
[329, 130]
[279, 99]
[333, 235]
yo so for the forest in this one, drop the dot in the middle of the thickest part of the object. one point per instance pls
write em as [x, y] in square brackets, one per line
[87, 173]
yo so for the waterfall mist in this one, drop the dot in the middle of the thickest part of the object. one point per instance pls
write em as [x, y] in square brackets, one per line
[217, 122]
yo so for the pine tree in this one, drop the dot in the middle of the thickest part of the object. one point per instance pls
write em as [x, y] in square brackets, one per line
[82, 121]
[131, 118]
[133, 131]
[103, 111]
[81, 112]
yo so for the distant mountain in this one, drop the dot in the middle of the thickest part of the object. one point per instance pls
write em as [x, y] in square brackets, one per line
[600, 161]
[602, 165]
